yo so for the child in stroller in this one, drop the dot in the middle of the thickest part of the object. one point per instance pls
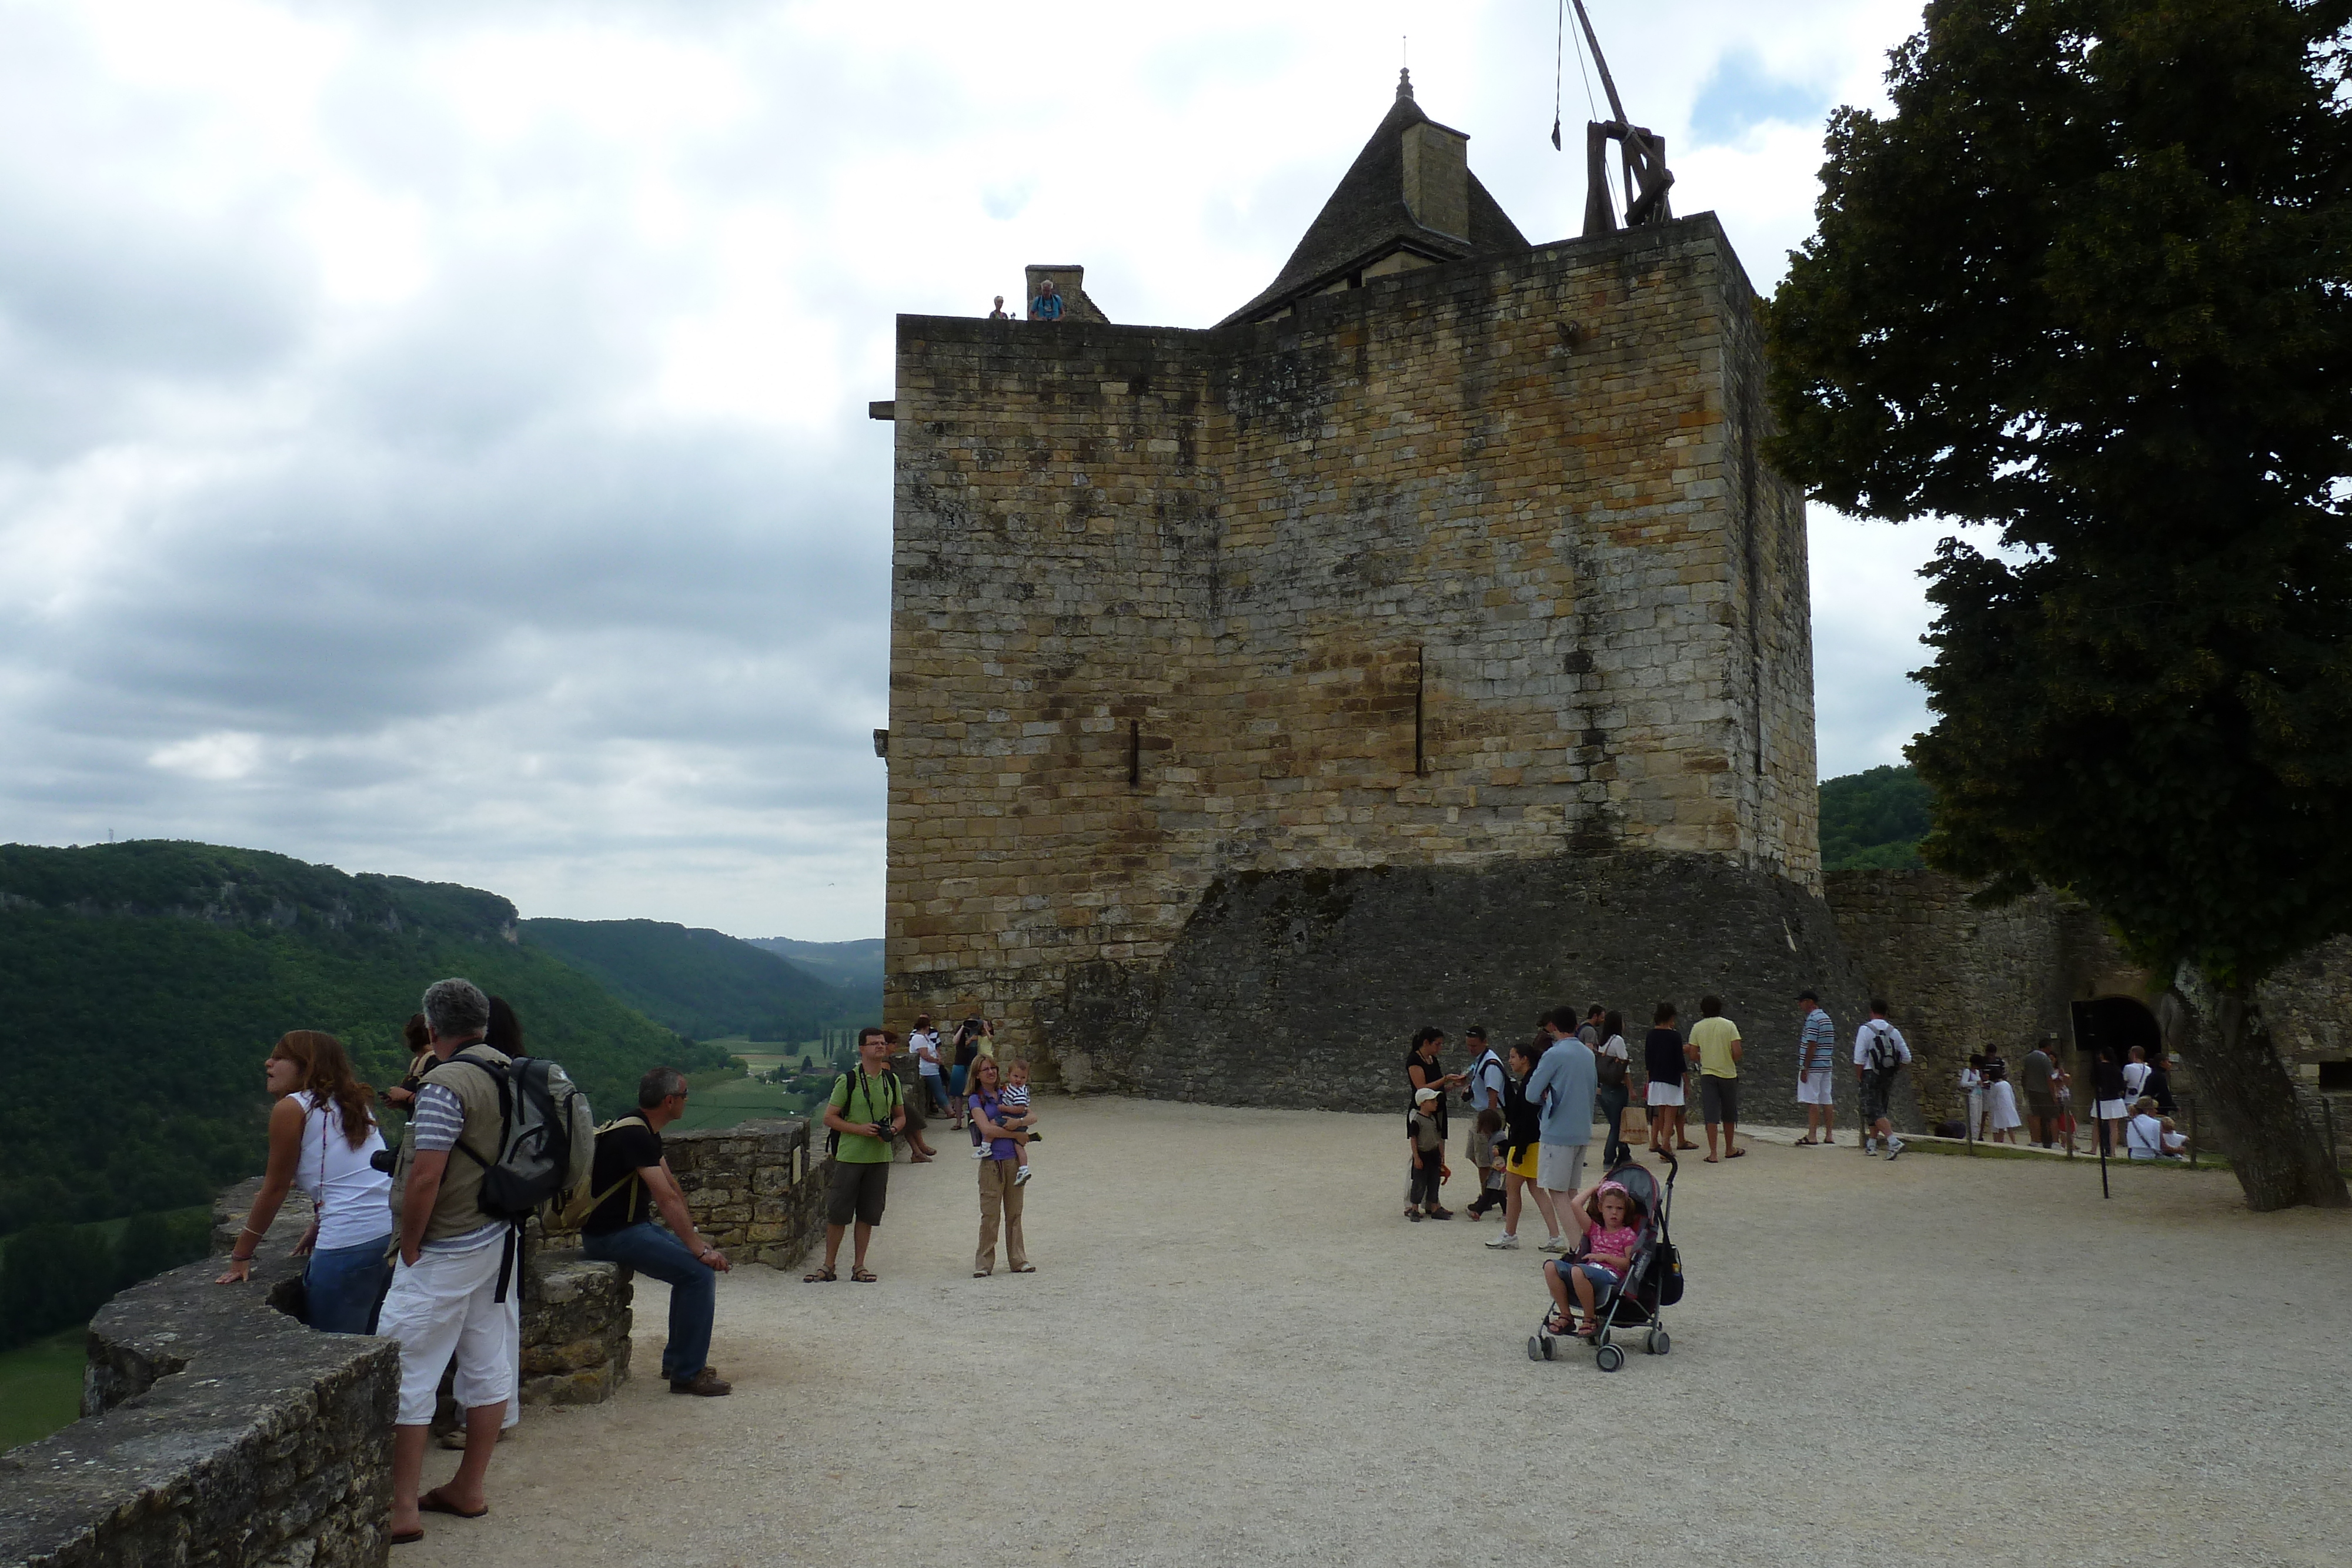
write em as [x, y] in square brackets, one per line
[1623, 1268]
[1611, 1222]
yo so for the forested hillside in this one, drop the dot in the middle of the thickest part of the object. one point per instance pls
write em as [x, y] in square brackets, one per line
[1874, 820]
[702, 983]
[856, 967]
[142, 985]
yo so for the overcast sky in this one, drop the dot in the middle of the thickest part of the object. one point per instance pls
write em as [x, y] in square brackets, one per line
[433, 433]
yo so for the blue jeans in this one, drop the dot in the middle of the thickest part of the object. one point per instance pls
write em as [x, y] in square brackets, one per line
[693, 1289]
[344, 1284]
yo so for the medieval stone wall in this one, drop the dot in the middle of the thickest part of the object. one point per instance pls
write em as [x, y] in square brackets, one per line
[1284, 989]
[1959, 980]
[1468, 567]
[1962, 979]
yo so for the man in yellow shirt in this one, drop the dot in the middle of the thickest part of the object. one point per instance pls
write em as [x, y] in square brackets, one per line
[1714, 1047]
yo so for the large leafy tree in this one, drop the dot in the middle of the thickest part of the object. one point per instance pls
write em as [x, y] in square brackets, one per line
[2092, 283]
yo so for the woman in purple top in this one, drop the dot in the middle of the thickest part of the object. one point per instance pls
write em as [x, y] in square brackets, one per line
[1000, 1194]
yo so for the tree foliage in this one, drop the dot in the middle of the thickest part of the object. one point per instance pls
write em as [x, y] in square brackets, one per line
[1873, 821]
[2092, 283]
[142, 983]
[54, 1276]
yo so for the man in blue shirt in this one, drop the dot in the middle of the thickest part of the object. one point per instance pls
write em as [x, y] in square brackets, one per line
[1563, 1084]
[1047, 306]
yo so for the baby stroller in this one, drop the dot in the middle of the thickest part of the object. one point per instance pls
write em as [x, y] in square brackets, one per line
[1654, 1277]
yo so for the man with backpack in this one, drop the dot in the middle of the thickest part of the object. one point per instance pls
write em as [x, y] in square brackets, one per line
[1483, 1089]
[867, 1111]
[631, 1180]
[1880, 1052]
[448, 1292]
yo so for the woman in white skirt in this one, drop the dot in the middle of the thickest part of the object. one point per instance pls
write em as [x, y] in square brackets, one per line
[1664, 1061]
[2001, 1099]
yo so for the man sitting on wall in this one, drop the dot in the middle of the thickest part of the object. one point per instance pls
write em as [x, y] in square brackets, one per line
[631, 1180]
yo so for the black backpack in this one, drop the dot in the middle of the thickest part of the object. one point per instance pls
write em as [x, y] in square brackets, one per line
[1884, 1059]
[547, 1146]
[832, 1135]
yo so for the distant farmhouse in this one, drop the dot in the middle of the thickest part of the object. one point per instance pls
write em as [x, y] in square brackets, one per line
[1427, 642]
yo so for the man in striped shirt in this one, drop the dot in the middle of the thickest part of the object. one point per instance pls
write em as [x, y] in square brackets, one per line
[1816, 1055]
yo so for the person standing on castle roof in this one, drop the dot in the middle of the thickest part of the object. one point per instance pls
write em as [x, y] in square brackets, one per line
[1714, 1049]
[999, 313]
[1564, 1083]
[1047, 306]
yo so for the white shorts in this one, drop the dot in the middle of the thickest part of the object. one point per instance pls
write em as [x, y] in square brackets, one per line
[1665, 1093]
[1814, 1089]
[1559, 1167]
[445, 1306]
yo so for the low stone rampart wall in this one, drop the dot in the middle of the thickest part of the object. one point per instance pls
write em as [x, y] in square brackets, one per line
[215, 1429]
[756, 1189]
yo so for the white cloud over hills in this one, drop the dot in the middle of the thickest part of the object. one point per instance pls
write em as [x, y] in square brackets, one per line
[432, 437]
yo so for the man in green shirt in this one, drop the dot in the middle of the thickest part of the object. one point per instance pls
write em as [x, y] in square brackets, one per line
[867, 1111]
[1714, 1047]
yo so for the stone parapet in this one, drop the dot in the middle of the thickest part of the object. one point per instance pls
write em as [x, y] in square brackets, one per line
[576, 1328]
[215, 1429]
[756, 1189]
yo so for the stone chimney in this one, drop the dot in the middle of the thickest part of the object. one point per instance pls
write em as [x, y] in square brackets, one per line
[1070, 282]
[1437, 178]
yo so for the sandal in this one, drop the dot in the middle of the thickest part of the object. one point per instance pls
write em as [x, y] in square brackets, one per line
[1711, 1160]
[1736, 1155]
[824, 1276]
[1557, 1323]
[1806, 1144]
[433, 1502]
[863, 1276]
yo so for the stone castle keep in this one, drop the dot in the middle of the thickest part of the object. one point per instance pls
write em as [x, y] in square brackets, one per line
[1426, 641]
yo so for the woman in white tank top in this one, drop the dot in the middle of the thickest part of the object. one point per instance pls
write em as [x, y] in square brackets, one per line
[311, 1146]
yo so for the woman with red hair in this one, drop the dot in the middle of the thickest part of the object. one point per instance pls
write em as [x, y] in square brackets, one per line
[323, 1139]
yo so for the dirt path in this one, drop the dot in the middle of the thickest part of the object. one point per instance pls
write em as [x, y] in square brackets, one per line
[1235, 1352]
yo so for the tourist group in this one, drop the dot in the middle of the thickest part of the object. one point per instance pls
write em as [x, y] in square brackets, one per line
[424, 1247]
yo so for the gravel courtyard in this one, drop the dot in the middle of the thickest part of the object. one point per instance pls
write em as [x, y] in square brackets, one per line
[1236, 1352]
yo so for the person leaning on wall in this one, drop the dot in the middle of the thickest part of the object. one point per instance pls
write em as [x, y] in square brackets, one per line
[323, 1140]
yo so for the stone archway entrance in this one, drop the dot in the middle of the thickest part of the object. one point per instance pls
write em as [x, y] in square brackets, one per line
[2119, 1022]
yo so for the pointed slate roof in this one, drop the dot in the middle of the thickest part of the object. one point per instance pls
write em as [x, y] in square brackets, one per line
[1366, 219]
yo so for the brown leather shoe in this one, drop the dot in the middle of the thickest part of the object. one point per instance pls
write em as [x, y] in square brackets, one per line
[707, 1382]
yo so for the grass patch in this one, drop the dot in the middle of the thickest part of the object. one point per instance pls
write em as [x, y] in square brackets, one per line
[738, 1100]
[40, 1386]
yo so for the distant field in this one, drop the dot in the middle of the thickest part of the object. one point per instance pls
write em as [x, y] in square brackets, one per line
[40, 1386]
[740, 1100]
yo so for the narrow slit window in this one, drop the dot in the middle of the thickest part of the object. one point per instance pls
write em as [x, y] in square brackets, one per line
[1134, 753]
[1419, 709]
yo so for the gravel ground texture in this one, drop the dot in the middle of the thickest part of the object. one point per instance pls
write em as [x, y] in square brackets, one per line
[1236, 1350]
